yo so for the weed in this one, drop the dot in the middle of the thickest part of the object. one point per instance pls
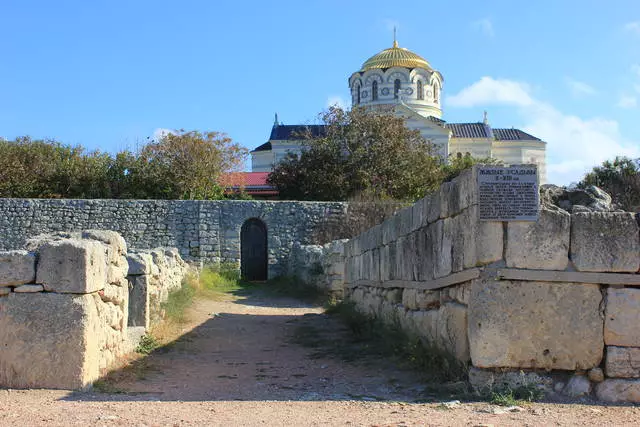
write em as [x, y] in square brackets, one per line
[147, 344]
[104, 386]
[517, 396]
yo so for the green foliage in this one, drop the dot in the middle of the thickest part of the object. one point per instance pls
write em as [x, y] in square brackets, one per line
[620, 178]
[179, 300]
[513, 397]
[184, 165]
[147, 344]
[458, 163]
[360, 152]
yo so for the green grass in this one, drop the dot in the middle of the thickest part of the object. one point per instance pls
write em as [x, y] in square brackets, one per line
[518, 396]
[373, 338]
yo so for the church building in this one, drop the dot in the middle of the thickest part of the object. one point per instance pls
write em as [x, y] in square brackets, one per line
[402, 81]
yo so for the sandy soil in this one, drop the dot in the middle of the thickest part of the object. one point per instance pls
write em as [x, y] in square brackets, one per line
[237, 364]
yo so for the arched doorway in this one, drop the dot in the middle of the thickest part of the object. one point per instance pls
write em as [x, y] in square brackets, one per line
[253, 250]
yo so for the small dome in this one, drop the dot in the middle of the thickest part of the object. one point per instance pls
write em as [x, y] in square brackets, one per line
[395, 57]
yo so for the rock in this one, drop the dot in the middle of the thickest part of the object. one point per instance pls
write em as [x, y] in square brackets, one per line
[114, 242]
[452, 330]
[596, 375]
[605, 242]
[484, 380]
[72, 266]
[139, 263]
[592, 198]
[427, 300]
[578, 385]
[409, 299]
[533, 325]
[17, 268]
[27, 289]
[622, 317]
[139, 310]
[4, 291]
[541, 245]
[618, 390]
[474, 242]
[559, 386]
[623, 362]
[50, 341]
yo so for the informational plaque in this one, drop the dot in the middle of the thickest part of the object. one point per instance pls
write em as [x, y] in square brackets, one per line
[508, 193]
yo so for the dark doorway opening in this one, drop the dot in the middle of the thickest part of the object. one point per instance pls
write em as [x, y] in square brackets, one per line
[253, 250]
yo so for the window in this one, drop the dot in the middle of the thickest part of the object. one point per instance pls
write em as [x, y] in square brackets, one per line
[358, 95]
[436, 93]
[420, 90]
[396, 88]
[374, 91]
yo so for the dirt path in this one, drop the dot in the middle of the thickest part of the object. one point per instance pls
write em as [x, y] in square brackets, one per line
[238, 363]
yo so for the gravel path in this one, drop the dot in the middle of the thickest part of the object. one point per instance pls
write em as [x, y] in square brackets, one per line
[237, 364]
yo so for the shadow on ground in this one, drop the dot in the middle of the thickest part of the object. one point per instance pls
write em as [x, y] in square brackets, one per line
[261, 347]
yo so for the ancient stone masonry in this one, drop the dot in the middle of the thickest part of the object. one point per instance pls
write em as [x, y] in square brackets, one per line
[64, 307]
[319, 266]
[518, 301]
[203, 231]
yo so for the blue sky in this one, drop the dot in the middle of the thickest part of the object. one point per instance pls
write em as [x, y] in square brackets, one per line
[107, 74]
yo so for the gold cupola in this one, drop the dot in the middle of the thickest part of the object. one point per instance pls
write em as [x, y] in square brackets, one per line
[395, 57]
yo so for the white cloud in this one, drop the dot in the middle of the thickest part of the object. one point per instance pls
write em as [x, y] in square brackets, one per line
[490, 91]
[627, 101]
[574, 144]
[160, 133]
[579, 89]
[633, 27]
[337, 100]
[485, 26]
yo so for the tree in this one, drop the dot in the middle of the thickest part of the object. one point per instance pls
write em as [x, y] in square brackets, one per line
[188, 165]
[620, 178]
[360, 152]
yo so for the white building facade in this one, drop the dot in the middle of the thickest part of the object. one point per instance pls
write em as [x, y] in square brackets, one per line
[399, 80]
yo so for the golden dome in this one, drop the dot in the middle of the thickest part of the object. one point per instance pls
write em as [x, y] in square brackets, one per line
[395, 57]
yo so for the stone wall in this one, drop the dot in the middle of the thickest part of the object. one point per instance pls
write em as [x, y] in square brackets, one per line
[511, 299]
[152, 276]
[319, 266]
[203, 231]
[64, 305]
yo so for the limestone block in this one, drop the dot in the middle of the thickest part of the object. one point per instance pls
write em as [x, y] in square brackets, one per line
[535, 325]
[115, 244]
[139, 263]
[448, 195]
[72, 266]
[623, 362]
[49, 340]
[605, 241]
[17, 268]
[474, 242]
[389, 231]
[541, 245]
[433, 210]
[394, 295]
[439, 241]
[596, 375]
[578, 385]
[618, 390]
[466, 186]
[427, 300]
[28, 289]
[5, 291]
[417, 215]
[404, 221]
[622, 317]
[489, 238]
[452, 330]
[409, 299]
[426, 325]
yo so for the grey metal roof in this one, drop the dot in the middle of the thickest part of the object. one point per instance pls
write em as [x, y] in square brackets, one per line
[480, 130]
[264, 147]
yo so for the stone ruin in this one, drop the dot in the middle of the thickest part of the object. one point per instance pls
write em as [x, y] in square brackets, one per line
[65, 306]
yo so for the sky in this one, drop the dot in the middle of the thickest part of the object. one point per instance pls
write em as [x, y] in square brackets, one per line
[109, 74]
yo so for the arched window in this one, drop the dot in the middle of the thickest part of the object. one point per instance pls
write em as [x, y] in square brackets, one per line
[436, 92]
[420, 90]
[374, 91]
[358, 95]
[396, 88]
